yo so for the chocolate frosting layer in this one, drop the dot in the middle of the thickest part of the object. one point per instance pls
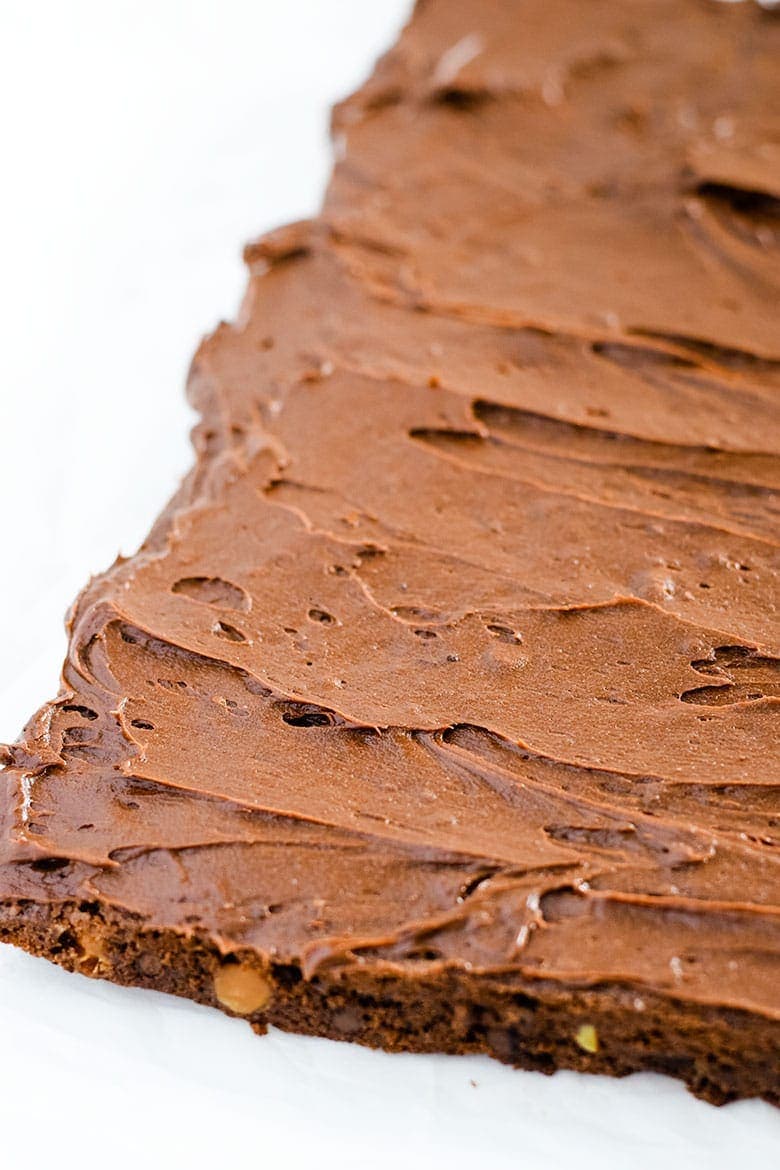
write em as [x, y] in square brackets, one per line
[459, 644]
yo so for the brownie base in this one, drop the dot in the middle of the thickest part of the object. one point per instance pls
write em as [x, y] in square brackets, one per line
[527, 1024]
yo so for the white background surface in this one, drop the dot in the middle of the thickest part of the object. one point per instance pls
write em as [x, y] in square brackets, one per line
[142, 143]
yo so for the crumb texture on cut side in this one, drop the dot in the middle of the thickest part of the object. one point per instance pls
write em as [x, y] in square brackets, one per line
[439, 709]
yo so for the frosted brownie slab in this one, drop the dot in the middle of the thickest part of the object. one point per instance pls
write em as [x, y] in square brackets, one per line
[439, 709]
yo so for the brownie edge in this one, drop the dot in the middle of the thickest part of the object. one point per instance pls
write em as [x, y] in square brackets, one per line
[607, 1030]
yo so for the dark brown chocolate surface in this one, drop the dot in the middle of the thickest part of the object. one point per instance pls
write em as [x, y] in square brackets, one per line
[454, 662]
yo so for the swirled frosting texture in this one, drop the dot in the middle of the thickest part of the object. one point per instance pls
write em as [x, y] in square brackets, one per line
[459, 645]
